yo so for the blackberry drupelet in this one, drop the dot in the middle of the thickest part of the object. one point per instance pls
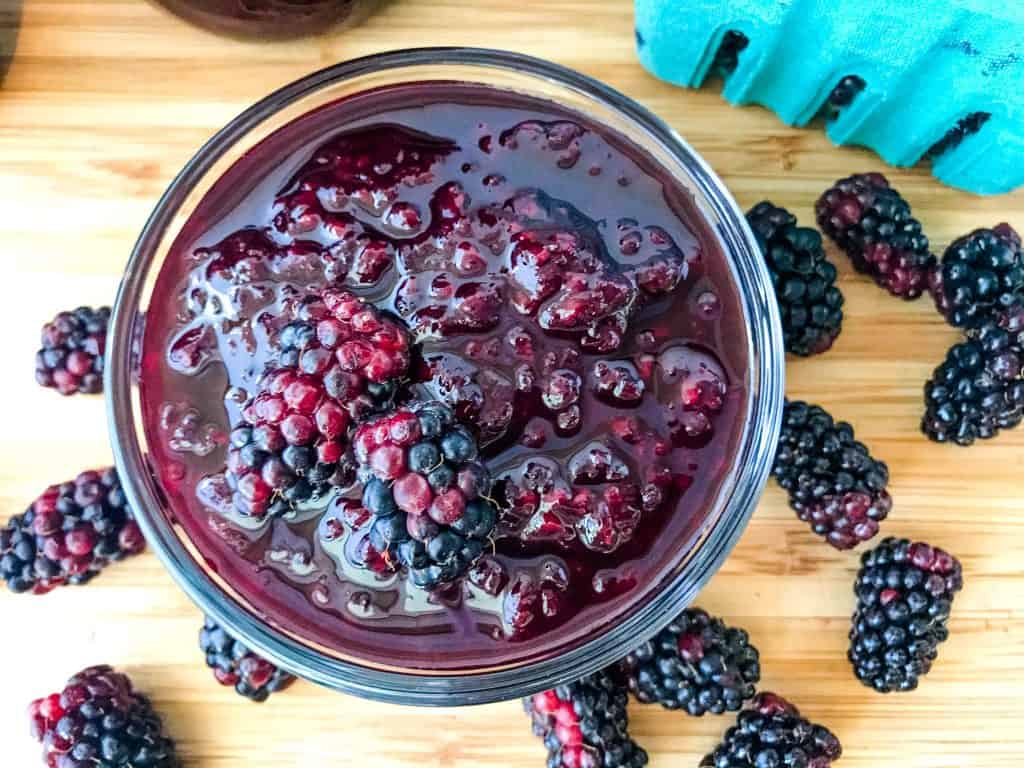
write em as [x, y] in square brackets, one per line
[71, 357]
[584, 724]
[979, 388]
[336, 363]
[904, 594]
[871, 222]
[804, 280]
[980, 277]
[427, 493]
[69, 534]
[832, 480]
[696, 663]
[99, 721]
[234, 664]
[772, 734]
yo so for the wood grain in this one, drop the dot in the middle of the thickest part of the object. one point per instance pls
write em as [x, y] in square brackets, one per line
[106, 99]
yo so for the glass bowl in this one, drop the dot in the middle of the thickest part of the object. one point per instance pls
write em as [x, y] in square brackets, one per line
[698, 559]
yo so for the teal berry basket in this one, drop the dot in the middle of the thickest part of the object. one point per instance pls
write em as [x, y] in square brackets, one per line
[939, 80]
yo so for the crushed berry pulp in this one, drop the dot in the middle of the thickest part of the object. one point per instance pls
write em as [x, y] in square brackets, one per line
[563, 296]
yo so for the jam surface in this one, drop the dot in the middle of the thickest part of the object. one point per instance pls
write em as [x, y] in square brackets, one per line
[564, 298]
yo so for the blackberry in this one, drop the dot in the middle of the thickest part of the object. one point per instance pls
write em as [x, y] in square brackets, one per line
[772, 734]
[978, 389]
[804, 280]
[71, 357]
[99, 721]
[904, 594]
[966, 126]
[69, 534]
[427, 493]
[842, 95]
[584, 724]
[981, 276]
[728, 55]
[234, 664]
[336, 363]
[696, 663]
[832, 480]
[871, 222]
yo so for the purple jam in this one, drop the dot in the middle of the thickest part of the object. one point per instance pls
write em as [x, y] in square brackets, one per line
[270, 19]
[565, 299]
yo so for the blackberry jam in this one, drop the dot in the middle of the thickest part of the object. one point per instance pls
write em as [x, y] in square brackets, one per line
[563, 296]
[270, 19]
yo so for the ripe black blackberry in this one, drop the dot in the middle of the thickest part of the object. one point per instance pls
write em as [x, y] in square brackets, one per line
[696, 663]
[980, 277]
[234, 664]
[727, 57]
[832, 480]
[772, 734]
[584, 724]
[904, 594]
[71, 357]
[804, 280]
[965, 126]
[845, 91]
[99, 721]
[978, 389]
[428, 494]
[871, 222]
[69, 534]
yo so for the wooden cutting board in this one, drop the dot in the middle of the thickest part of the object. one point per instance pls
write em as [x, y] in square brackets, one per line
[103, 103]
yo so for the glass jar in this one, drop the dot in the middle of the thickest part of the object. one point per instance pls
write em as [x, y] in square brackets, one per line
[271, 19]
[698, 558]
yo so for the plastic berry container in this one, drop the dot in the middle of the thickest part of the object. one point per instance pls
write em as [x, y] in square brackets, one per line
[271, 19]
[685, 561]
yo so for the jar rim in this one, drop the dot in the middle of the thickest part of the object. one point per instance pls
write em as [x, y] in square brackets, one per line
[736, 498]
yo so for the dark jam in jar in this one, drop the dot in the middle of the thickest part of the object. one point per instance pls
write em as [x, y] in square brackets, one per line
[565, 298]
[271, 19]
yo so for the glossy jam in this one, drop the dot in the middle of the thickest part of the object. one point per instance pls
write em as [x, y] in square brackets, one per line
[270, 19]
[565, 298]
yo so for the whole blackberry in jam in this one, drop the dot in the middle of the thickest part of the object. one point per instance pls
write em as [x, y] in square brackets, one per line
[234, 664]
[804, 280]
[904, 594]
[981, 276]
[978, 389]
[832, 480]
[100, 721]
[69, 534]
[338, 362]
[770, 733]
[871, 222]
[427, 493]
[584, 724]
[696, 663]
[71, 357]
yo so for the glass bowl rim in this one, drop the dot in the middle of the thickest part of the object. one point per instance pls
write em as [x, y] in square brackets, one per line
[736, 498]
